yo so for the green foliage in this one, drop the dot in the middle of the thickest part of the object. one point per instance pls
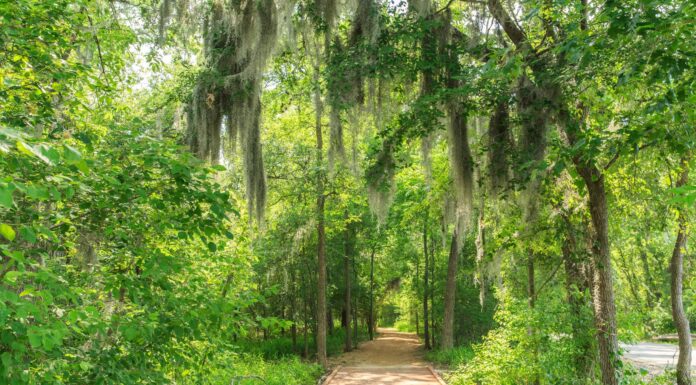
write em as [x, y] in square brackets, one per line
[245, 369]
[457, 356]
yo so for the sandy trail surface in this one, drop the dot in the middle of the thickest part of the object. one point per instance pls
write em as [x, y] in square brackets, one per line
[394, 358]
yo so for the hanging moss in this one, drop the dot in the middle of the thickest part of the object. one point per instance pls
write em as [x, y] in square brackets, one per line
[239, 38]
[380, 182]
[426, 161]
[534, 113]
[461, 163]
[499, 145]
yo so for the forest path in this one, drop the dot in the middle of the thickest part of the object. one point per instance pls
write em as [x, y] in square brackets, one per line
[657, 355]
[393, 358]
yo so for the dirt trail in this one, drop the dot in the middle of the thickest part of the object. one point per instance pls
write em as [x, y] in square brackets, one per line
[393, 358]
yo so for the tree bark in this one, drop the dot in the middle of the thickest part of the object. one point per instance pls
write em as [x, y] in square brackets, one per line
[603, 291]
[347, 282]
[676, 267]
[321, 236]
[447, 339]
[416, 288]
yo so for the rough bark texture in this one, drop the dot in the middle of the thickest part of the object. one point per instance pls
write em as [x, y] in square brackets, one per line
[676, 267]
[603, 291]
[447, 340]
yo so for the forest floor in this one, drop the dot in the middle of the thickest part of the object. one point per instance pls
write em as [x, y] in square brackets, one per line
[393, 358]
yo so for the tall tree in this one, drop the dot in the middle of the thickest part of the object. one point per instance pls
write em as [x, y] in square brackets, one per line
[676, 268]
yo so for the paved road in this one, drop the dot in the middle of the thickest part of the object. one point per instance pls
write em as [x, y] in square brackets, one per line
[392, 359]
[655, 354]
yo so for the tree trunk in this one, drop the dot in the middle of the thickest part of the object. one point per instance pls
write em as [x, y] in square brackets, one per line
[416, 288]
[676, 267]
[603, 292]
[293, 310]
[426, 328]
[447, 339]
[576, 287]
[372, 295]
[355, 297]
[347, 284]
[321, 236]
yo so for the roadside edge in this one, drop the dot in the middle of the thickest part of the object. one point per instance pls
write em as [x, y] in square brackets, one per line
[437, 376]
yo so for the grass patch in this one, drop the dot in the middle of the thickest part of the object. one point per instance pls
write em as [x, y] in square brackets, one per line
[243, 368]
[451, 357]
[281, 346]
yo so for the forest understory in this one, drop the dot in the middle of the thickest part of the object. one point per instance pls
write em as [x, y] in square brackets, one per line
[207, 192]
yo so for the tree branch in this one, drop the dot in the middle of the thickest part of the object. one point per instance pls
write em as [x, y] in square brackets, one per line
[515, 34]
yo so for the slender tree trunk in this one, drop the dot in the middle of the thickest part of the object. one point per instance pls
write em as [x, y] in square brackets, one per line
[347, 282]
[426, 328]
[355, 297]
[304, 331]
[293, 310]
[321, 236]
[416, 287]
[371, 330]
[676, 267]
[447, 339]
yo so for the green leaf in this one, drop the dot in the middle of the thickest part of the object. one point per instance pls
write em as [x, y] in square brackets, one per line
[11, 276]
[82, 166]
[28, 234]
[34, 337]
[6, 196]
[71, 154]
[7, 232]
[32, 151]
[37, 192]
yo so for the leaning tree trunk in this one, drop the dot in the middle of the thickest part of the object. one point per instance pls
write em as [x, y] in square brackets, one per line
[676, 267]
[447, 339]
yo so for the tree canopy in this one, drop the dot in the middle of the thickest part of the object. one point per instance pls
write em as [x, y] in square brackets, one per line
[206, 191]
